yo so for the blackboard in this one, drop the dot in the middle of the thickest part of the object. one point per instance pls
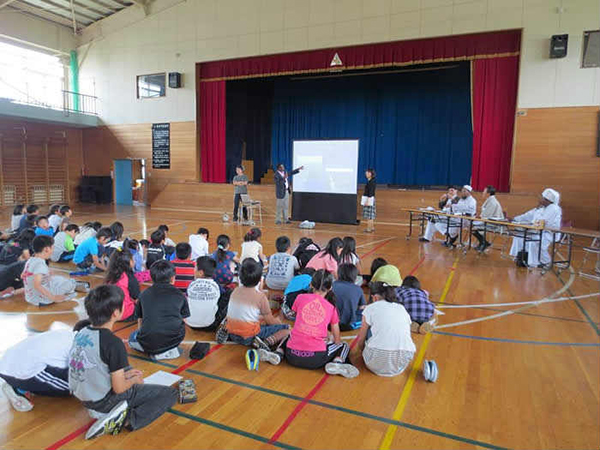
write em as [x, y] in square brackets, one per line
[161, 145]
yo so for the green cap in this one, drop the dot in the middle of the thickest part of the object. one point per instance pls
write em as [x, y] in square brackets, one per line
[388, 274]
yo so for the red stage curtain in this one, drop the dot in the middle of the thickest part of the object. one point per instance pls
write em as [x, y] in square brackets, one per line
[212, 131]
[494, 107]
[420, 51]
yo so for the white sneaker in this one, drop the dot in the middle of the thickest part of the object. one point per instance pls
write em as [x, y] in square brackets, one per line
[169, 354]
[270, 357]
[18, 402]
[345, 370]
[111, 423]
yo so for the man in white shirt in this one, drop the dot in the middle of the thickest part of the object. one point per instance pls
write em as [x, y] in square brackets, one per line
[466, 206]
[441, 224]
[549, 212]
[491, 209]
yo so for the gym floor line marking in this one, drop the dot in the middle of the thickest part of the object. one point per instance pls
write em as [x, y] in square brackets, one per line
[392, 429]
[83, 429]
[326, 405]
[543, 316]
[580, 306]
[518, 341]
[233, 430]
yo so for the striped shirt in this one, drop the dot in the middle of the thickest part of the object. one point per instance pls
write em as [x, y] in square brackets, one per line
[184, 273]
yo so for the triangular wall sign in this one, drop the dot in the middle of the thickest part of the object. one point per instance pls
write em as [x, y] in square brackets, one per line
[336, 61]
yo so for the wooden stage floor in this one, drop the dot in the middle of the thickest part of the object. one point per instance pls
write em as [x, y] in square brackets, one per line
[525, 380]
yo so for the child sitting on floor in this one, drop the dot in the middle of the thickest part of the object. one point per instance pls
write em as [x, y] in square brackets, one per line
[156, 249]
[349, 256]
[64, 248]
[18, 213]
[160, 311]
[199, 243]
[65, 212]
[416, 302]
[308, 345]
[120, 273]
[247, 311]
[11, 282]
[42, 227]
[38, 365]
[226, 261]
[252, 248]
[349, 298]
[376, 264]
[134, 247]
[89, 254]
[300, 284]
[184, 267]
[100, 375]
[328, 258]
[116, 240]
[54, 218]
[41, 288]
[88, 230]
[390, 348]
[20, 246]
[208, 305]
[305, 250]
[165, 229]
[28, 219]
[281, 265]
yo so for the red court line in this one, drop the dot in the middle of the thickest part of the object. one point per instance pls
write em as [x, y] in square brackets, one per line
[325, 377]
[58, 444]
[373, 250]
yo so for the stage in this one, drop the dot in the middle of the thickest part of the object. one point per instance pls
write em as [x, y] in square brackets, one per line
[217, 198]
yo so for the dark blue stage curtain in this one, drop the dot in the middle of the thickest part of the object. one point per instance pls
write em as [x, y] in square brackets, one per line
[414, 127]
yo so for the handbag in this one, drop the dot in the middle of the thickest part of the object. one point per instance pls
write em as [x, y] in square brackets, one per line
[367, 201]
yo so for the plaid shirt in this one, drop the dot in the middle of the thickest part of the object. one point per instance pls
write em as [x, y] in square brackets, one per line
[417, 304]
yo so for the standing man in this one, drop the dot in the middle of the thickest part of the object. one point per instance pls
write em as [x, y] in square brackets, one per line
[282, 192]
[240, 183]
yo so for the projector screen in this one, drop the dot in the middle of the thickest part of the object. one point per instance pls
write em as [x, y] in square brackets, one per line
[329, 166]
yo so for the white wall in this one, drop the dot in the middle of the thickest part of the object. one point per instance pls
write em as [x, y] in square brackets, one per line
[176, 35]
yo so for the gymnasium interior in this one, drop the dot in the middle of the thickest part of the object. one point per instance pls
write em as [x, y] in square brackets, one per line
[139, 111]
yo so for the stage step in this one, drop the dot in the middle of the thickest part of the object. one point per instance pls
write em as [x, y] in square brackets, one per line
[268, 177]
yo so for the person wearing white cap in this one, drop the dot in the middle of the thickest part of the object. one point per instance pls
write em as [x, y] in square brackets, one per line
[467, 206]
[548, 211]
[440, 224]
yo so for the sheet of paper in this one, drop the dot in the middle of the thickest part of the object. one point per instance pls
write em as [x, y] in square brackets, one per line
[163, 378]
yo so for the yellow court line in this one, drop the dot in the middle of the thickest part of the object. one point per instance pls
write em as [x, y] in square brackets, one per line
[391, 431]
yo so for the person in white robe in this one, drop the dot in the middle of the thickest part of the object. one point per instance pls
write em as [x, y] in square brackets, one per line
[440, 225]
[466, 206]
[491, 209]
[549, 212]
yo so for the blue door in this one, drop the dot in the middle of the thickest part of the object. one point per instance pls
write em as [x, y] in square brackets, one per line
[123, 182]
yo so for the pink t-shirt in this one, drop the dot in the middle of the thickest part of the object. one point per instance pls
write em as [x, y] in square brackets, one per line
[128, 303]
[313, 315]
[323, 261]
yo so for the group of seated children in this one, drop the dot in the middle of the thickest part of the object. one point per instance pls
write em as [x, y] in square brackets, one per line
[321, 296]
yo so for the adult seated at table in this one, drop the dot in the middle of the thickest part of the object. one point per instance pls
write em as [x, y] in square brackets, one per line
[492, 210]
[466, 206]
[547, 212]
[439, 224]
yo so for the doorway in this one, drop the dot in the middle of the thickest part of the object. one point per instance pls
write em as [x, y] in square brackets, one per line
[130, 182]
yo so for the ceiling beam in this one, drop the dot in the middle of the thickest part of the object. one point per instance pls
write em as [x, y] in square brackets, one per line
[39, 12]
[6, 3]
[73, 17]
[62, 10]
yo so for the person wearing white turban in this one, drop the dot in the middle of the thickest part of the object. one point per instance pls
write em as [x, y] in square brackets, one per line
[467, 206]
[548, 211]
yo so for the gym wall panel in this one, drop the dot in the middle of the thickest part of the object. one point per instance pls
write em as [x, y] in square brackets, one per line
[556, 147]
[104, 144]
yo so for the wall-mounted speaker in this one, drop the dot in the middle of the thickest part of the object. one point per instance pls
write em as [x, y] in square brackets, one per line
[558, 45]
[174, 80]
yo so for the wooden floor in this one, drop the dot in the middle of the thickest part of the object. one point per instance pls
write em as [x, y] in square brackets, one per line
[526, 380]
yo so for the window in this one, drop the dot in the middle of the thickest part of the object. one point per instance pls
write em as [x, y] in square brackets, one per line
[32, 77]
[591, 49]
[151, 86]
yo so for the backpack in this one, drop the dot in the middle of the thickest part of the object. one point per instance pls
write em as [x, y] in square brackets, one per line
[305, 251]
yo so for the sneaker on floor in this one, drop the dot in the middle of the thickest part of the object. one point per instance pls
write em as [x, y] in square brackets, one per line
[259, 343]
[422, 239]
[484, 246]
[17, 401]
[270, 357]
[112, 423]
[278, 222]
[169, 354]
[222, 334]
[82, 286]
[288, 312]
[252, 359]
[345, 370]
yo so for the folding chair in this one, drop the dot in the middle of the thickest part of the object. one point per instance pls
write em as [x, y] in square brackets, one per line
[593, 249]
[251, 206]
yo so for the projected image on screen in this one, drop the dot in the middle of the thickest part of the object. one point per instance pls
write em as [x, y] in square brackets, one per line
[329, 166]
